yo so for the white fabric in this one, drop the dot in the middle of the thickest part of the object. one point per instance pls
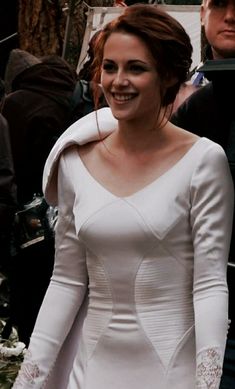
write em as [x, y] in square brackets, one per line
[83, 131]
[155, 266]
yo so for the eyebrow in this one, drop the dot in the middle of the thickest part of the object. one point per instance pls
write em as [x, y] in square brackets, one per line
[129, 62]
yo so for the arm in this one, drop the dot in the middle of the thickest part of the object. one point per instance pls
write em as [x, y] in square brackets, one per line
[64, 296]
[211, 218]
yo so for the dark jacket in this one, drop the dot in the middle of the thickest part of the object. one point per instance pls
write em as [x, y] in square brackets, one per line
[209, 112]
[37, 111]
[204, 114]
[7, 191]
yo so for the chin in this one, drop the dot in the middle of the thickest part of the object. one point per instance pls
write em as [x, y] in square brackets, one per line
[226, 51]
[121, 115]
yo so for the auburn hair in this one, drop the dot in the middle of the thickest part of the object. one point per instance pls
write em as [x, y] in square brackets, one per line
[165, 38]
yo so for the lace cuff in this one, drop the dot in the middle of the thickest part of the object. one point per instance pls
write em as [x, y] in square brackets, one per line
[27, 374]
[209, 368]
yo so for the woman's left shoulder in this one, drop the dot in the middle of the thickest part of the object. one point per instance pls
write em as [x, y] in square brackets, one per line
[211, 148]
[211, 160]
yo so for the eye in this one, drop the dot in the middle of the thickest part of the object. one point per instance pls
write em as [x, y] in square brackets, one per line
[219, 3]
[136, 68]
[109, 67]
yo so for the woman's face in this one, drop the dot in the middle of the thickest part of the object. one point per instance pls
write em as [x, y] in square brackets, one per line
[129, 78]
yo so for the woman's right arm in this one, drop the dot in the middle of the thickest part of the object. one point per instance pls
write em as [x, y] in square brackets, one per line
[64, 296]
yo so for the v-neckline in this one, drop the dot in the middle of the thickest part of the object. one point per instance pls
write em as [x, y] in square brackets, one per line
[147, 186]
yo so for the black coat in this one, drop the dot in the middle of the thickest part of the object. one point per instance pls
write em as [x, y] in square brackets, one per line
[37, 110]
[208, 112]
[7, 190]
[205, 114]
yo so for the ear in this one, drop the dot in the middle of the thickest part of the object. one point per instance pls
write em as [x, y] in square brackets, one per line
[202, 14]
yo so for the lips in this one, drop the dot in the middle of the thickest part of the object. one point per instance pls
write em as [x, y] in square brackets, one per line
[123, 97]
[228, 31]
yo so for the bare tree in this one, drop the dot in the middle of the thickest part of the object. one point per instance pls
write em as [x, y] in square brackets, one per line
[42, 26]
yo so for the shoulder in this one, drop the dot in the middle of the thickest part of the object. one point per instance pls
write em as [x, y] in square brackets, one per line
[211, 151]
[92, 127]
[211, 163]
[203, 93]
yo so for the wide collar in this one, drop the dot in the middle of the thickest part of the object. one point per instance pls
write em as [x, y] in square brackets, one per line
[94, 126]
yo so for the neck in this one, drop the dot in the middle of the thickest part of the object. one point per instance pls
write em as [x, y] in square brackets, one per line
[139, 137]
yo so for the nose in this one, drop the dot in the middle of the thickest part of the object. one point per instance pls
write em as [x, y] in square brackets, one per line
[230, 11]
[121, 79]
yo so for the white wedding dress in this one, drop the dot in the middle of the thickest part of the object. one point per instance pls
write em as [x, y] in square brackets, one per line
[154, 266]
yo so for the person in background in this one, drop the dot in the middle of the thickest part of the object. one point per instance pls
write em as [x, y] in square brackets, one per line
[186, 89]
[91, 90]
[138, 297]
[37, 109]
[86, 71]
[8, 204]
[209, 112]
[45, 96]
[7, 189]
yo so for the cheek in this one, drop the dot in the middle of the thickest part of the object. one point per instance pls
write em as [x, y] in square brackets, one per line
[153, 89]
[105, 81]
[105, 86]
[210, 23]
[102, 79]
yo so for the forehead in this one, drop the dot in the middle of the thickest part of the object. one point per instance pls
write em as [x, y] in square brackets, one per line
[123, 38]
[223, 3]
[122, 44]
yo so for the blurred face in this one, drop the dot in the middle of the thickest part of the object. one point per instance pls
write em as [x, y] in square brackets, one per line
[218, 19]
[129, 78]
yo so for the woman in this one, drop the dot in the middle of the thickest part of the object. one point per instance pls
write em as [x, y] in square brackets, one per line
[138, 297]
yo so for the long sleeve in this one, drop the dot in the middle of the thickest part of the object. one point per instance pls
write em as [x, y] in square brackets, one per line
[211, 218]
[64, 296]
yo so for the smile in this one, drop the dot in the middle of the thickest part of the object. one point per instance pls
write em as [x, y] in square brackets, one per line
[123, 97]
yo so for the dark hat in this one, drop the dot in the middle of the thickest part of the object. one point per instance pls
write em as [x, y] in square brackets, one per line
[19, 60]
[217, 67]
